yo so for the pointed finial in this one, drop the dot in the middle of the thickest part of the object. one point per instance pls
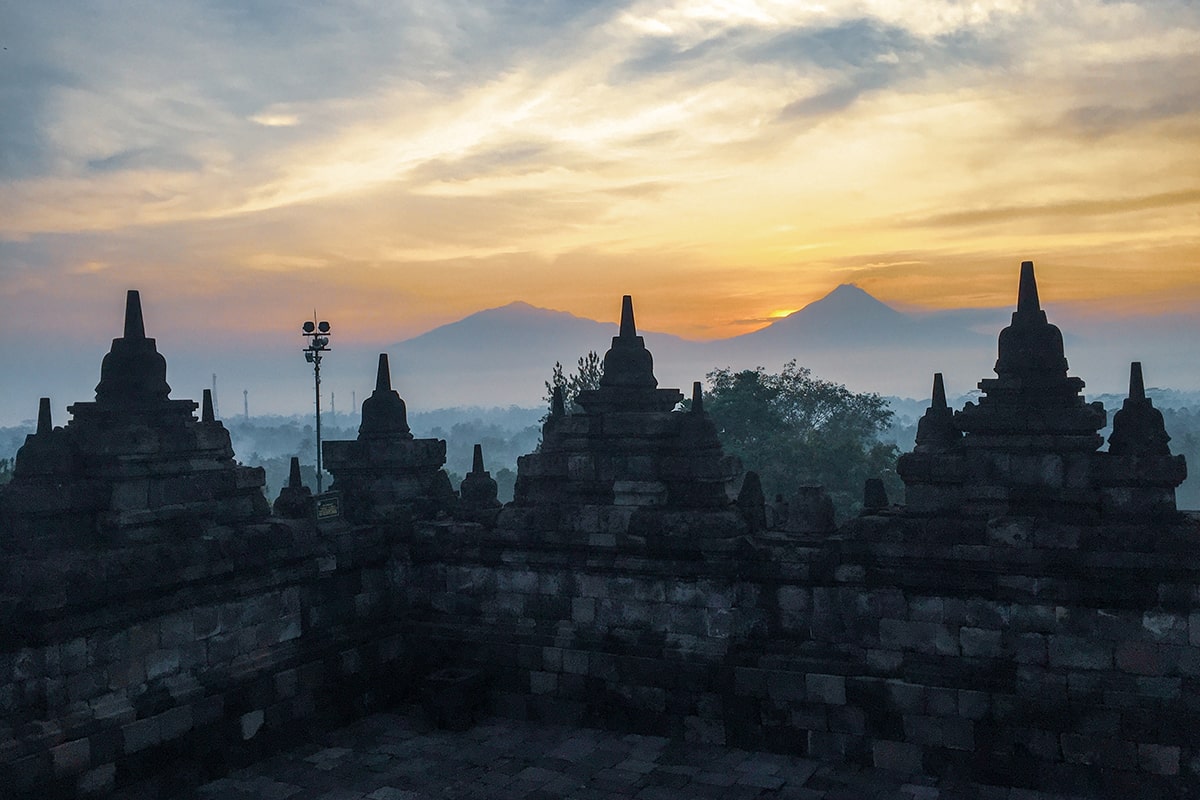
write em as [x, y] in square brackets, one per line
[135, 328]
[1027, 292]
[1137, 386]
[206, 408]
[44, 423]
[383, 378]
[558, 406]
[939, 392]
[477, 460]
[697, 398]
[294, 473]
[628, 329]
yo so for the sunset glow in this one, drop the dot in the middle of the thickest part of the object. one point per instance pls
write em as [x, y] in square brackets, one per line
[728, 161]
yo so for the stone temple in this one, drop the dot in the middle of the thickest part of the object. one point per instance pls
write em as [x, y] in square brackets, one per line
[1031, 444]
[1027, 621]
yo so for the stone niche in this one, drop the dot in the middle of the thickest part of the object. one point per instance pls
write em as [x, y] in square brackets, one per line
[386, 475]
[1030, 447]
[632, 449]
[132, 460]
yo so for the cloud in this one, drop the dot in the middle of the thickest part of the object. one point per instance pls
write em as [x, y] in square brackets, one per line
[1073, 209]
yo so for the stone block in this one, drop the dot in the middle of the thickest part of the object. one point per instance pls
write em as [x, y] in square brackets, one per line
[828, 689]
[1030, 648]
[176, 630]
[575, 662]
[83, 686]
[71, 758]
[920, 637]
[1159, 759]
[98, 782]
[941, 702]
[141, 734]
[926, 609]
[250, 723]
[847, 719]
[542, 682]
[897, 756]
[1077, 652]
[704, 731]
[161, 663]
[175, 722]
[980, 642]
[74, 655]
[749, 682]
[785, 686]
[924, 730]
[972, 704]
[905, 697]
[1165, 627]
[1140, 658]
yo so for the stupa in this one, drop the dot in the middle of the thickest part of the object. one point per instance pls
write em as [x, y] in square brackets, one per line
[632, 446]
[386, 475]
[133, 458]
[1030, 447]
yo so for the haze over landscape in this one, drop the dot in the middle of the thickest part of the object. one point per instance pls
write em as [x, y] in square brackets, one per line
[433, 179]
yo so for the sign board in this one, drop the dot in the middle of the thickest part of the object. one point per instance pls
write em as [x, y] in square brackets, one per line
[329, 506]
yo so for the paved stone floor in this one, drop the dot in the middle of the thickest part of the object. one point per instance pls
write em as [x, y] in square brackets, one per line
[397, 757]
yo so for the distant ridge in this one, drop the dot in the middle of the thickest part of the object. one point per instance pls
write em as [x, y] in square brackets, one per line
[847, 315]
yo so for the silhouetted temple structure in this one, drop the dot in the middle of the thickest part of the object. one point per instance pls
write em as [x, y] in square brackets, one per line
[629, 449]
[133, 459]
[1029, 618]
[1031, 447]
[385, 471]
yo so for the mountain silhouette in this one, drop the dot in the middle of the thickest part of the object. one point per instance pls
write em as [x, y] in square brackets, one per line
[847, 315]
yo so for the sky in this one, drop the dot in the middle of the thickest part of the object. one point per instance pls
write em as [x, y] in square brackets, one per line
[395, 166]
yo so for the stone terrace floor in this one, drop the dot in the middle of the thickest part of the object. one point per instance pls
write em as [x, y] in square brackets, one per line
[397, 757]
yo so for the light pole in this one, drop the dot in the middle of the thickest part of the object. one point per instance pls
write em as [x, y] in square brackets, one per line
[318, 343]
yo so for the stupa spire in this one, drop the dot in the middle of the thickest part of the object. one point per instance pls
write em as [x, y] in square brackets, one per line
[939, 392]
[206, 408]
[135, 327]
[1137, 386]
[44, 425]
[628, 328]
[383, 376]
[294, 481]
[1027, 291]
[477, 460]
[697, 398]
[558, 406]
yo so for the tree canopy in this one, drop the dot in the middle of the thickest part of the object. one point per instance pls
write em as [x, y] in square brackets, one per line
[793, 428]
[588, 371]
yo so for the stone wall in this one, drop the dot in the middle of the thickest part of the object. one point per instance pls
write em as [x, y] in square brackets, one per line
[1016, 652]
[160, 661]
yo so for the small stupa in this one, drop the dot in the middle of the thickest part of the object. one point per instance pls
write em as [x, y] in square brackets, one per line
[295, 500]
[387, 475]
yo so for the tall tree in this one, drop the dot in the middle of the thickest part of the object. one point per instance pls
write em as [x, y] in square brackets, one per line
[794, 428]
[588, 371]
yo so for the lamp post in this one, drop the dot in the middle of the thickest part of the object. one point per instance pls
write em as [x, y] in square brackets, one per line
[318, 343]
